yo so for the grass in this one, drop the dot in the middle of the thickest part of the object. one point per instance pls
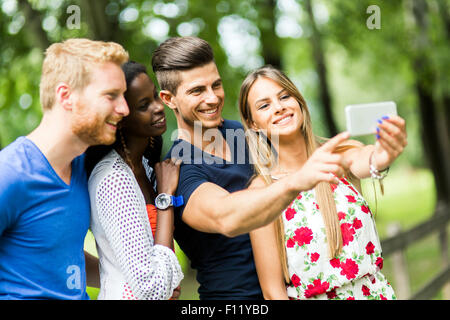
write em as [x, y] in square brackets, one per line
[409, 199]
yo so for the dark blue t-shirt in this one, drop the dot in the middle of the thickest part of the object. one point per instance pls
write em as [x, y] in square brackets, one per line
[225, 266]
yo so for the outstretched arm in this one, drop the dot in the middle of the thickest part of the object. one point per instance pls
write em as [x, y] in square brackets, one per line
[211, 208]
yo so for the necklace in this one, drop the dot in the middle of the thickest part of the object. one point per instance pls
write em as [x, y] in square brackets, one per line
[281, 174]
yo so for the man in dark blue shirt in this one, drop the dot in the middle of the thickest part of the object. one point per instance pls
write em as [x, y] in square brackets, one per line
[225, 265]
[218, 212]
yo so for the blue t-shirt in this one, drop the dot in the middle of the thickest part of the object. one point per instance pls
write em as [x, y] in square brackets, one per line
[225, 266]
[43, 223]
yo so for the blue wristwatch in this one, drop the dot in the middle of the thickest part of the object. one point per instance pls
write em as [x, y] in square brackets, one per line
[164, 200]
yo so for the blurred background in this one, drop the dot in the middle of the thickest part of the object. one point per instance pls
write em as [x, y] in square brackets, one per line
[337, 52]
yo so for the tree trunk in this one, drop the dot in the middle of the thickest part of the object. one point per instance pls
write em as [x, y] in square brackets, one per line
[36, 35]
[445, 17]
[433, 129]
[269, 40]
[319, 59]
[443, 10]
[100, 27]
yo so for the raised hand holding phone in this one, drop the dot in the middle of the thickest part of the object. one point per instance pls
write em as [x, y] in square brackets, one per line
[380, 119]
[362, 119]
[391, 140]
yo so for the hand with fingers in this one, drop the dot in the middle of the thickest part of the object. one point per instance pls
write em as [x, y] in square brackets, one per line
[391, 141]
[167, 174]
[324, 165]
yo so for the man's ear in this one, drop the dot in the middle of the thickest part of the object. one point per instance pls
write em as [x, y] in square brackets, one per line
[167, 98]
[64, 96]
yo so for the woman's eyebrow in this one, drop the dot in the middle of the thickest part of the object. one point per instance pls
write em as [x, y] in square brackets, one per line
[267, 98]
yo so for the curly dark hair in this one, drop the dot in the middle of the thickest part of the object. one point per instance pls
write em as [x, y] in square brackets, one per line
[153, 151]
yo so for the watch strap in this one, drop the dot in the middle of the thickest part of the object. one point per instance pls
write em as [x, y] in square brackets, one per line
[177, 201]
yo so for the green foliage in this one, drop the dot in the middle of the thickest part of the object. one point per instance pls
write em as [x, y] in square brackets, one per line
[364, 65]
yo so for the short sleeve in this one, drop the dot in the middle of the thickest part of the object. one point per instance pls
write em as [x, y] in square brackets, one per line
[191, 177]
[9, 189]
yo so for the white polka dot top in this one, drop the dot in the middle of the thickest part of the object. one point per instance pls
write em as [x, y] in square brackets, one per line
[131, 266]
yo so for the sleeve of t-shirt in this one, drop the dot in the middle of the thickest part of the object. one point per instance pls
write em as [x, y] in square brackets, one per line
[191, 177]
[9, 194]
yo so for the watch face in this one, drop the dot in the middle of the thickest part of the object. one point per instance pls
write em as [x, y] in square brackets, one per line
[162, 201]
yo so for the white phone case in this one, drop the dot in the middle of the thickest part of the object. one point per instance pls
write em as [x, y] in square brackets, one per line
[362, 118]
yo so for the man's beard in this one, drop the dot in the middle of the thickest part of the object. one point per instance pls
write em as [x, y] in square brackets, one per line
[90, 127]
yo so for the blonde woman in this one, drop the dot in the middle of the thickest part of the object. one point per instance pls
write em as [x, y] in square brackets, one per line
[325, 244]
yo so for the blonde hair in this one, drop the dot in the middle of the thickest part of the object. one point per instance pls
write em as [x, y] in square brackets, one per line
[71, 61]
[264, 158]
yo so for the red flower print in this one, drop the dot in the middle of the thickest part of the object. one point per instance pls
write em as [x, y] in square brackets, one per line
[335, 263]
[357, 223]
[365, 209]
[315, 256]
[290, 213]
[331, 294]
[347, 233]
[318, 287]
[366, 291]
[353, 189]
[303, 236]
[370, 248]
[351, 298]
[295, 280]
[317, 206]
[290, 243]
[299, 196]
[344, 181]
[350, 198]
[382, 297]
[333, 186]
[379, 262]
[349, 269]
[341, 215]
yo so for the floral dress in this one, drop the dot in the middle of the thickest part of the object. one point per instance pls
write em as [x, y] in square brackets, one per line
[355, 273]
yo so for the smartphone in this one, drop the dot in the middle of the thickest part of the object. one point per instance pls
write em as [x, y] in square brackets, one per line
[362, 119]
